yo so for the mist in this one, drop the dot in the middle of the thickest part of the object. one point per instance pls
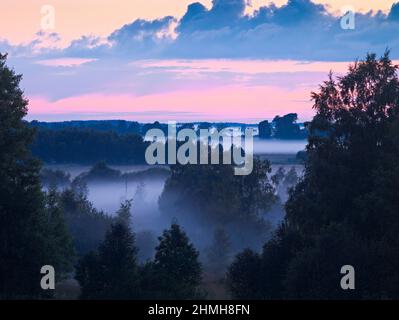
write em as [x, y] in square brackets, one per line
[278, 146]
[148, 221]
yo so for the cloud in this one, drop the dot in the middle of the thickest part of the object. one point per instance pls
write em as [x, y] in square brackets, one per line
[142, 37]
[299, 30]
[43, 43]
[223, 13]
[394, 13]
[65, 62]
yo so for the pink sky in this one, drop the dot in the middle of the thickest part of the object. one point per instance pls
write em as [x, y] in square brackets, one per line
[237, 97]
[224, 104]
[111, 86]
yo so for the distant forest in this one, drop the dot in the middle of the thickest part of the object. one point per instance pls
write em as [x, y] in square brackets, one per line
[284, 127]
[122, 142]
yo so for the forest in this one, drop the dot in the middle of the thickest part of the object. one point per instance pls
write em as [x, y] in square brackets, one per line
[122, 142]
[218, 238]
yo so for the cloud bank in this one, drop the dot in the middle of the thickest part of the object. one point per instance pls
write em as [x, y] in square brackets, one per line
[300, 30]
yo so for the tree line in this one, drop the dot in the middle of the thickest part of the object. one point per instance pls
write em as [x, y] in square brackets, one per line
[87, 146]
[284, 128]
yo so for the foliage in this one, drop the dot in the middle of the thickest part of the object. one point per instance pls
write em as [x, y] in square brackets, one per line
[86, 225]
[212, 196]
[344, 210]
[57, 235]
[265, 130]
[241, 275]
[86, 146]
[175, 272]
[112, 272]
[32, 233]
[124, 215]
[286, 127]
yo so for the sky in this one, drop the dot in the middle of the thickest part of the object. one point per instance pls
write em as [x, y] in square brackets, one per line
[180, 60]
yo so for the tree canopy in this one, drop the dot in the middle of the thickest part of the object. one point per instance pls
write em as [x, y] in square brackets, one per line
[32, 230]
[344, 210]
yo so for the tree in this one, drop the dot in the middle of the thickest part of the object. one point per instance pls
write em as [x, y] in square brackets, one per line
[242, 276]
[344, 210]
[176, 270]
[287, 128]
[278, 177]
[58, 235]
[124, 215]
[218, 198]
[87, 225]
[90, 277]
[291, 178]
[112, 273]
[25, 244]
[265, 130]
[88, 146]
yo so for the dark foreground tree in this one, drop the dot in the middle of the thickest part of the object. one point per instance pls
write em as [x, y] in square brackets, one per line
[112, 272]
[25, 242]
[242, 276]
[57, 234]
[345, 209]
[176, 271]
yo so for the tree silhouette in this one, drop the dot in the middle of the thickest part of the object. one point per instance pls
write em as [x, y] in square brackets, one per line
[27, 229]
[112, 273]
[344, 210]
[124, 215]
[242, 276]
[265, 130]
[176, 268]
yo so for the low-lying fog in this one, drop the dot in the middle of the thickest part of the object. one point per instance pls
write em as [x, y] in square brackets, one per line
[145, 191]
[273, 146]
[108, 196]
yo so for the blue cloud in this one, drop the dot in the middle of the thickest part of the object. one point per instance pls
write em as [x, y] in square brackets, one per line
[299, 29]
[223, 13]
[394, 13]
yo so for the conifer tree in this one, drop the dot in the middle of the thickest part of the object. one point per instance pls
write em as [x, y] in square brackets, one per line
[112, 272]
[176, 267]
[26, 242]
